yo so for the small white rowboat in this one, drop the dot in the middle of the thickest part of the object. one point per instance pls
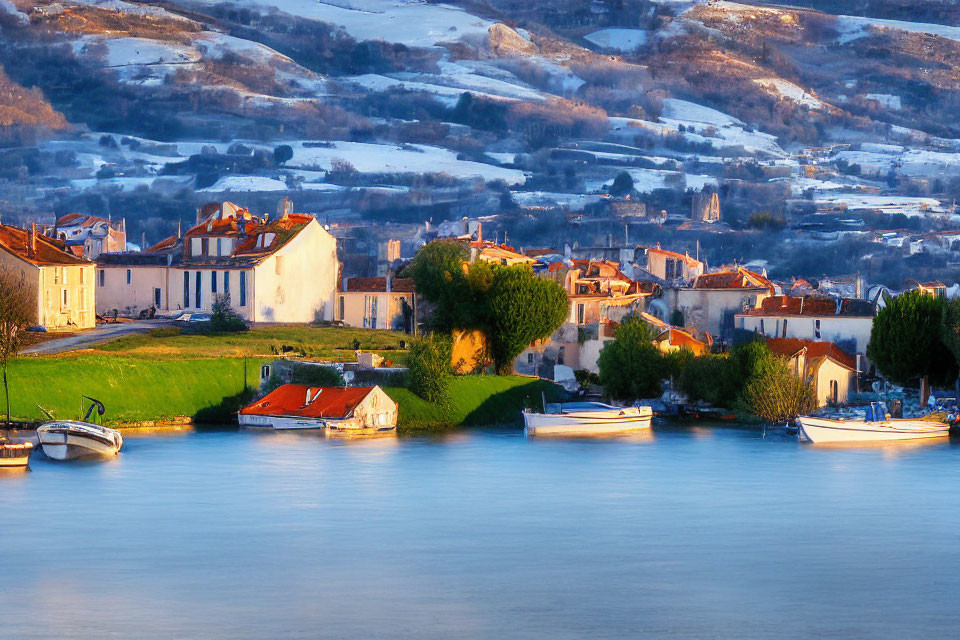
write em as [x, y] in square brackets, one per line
[586, 419]
[70, 439]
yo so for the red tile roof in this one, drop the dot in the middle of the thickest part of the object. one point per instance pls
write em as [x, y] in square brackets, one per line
[738, 278]
[790, 347]
[813, 306]
[285, 229]
[401, 285]
[691, 262]
[166, 243]
[48, 252]
[291, 400]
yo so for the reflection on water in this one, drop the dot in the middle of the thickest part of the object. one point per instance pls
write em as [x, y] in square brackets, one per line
[686, 532]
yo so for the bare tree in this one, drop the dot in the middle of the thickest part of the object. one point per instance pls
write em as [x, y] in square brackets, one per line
[16, 312]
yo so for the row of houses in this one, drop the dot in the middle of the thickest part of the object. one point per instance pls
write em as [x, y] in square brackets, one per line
[283, 269]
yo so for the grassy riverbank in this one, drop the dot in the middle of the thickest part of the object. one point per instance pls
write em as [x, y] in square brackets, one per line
[133, 389]
[475, 400]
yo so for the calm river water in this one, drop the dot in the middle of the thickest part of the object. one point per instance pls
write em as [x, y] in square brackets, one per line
[690, 533]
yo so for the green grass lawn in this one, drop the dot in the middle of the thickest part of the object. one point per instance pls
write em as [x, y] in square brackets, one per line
[133, 389]
[330, 343]
[476, 400]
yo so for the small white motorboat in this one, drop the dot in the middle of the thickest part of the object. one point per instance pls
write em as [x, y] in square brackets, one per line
[876, 427]
[586, 419]
[14, 454]
[70, 439]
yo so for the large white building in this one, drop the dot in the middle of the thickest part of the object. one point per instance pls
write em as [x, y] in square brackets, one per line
[282, 270]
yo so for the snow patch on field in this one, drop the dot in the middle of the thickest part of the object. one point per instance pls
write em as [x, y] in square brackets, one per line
[790, 91]
[886, 100]
[619, 39]
[548, 199]
[648, 180]
[682, 110]
[888, 204]
[129, 52]
[851, 28]
[382, 158]
[246, 183]
[414, 24]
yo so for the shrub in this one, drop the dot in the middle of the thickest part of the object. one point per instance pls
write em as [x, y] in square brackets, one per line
[429, 369]
[316, 376]
[224, 319]
[775, 394]
[631, 366]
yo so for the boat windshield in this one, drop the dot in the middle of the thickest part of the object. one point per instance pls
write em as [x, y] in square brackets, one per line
[571, 407]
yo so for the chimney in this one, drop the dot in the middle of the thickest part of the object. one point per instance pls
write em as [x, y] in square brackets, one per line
[479, 232]
[179, 229]
[32, 240]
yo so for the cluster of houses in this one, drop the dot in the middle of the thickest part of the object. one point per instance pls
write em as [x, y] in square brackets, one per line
[284, 268]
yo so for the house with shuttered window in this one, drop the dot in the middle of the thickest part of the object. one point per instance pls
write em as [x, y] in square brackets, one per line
[281, 270]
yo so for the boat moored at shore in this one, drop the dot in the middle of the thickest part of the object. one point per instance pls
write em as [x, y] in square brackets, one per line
[586, 419]
[877, 426]
[71, 439]
[15, 454]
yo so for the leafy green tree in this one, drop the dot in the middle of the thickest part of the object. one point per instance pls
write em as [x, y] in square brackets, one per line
[950, 328]
[906, 342]
[283, 153]
[224, 318]
[775, 393]
[438, 273]
[521, 308]
[622, 184]
[16, 312]
[429, 369]
[631, 366]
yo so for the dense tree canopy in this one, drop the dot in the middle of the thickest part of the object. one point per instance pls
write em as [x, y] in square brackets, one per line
[510, 304]
[906, 341]
[950, 328]
[631, 366]
[17, 311]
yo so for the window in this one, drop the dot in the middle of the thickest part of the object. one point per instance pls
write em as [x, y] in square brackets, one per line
[128, 276]
[265, 372]
[186, 289]
[761, 327]
[243, 288]
[777, 328]
[156, 297]
[82, 275]
[816, 327]
[219, 246]
[198, 290]
[340, 317]
[65, 300]
[581, 314]
[226, 283]
[560, 355]
[101, 275]
[213, 282]
[784, 334]
[530, 358]
[204, 246]
[56, 275]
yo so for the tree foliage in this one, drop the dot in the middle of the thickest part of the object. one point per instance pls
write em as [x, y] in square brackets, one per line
[224, 319]
[522, 308]
[17, 311]
[510, 304]
[622, 184]
[429, 369]
[950, 328]
[774, 393]
[906, 342]
[283, 153]
[631, 366]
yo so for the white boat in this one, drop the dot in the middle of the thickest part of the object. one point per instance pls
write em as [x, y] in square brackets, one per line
[876, 427]
[70, 439]
[14, 454]
[586, 418]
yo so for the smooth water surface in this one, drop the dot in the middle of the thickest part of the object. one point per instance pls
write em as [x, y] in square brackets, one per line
[687, 533]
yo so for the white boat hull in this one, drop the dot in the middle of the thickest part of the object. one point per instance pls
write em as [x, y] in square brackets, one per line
[68, 440]
[824, 431]
[586, 423]
[281, 423]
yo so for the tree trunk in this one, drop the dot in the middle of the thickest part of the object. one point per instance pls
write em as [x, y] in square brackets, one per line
[6, 394]
[924, 391]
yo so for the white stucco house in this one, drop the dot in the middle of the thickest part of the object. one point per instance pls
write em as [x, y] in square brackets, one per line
[282, 270]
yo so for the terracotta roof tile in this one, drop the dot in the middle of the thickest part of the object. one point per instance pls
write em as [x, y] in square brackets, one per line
[401, 285]
[790, 347]
[813, 306]
[48, 251]
[291, 400]
[738, 278]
